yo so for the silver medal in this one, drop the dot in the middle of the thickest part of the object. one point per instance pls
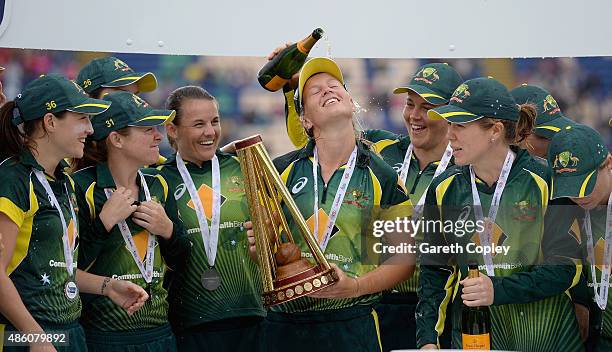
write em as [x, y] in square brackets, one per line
[211, 279]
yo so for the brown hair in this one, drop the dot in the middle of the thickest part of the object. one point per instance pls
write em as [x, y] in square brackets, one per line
[514, 132]
[15, 139]
[175, 100]
[95, 152]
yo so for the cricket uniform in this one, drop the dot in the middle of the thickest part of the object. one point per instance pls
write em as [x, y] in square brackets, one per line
[38, 267]
[530, 280]
[373, 193]
[105, 253]
[230, 316]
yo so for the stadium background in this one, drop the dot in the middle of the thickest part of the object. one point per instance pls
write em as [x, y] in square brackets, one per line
[581, 86]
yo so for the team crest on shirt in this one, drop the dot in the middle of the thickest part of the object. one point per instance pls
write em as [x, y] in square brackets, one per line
[498, 237]
[550, 105]
[565, 162]
[206, 196]
[235, 184]
[323, 218]
[121, 66]
[428, 75]
[356, 197]
[523, 211]
[461, 93]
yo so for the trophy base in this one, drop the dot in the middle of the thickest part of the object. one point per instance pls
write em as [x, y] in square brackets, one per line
[288, 288]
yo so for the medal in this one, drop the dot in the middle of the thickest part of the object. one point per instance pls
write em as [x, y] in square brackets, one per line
[71, 290]
[211, 279]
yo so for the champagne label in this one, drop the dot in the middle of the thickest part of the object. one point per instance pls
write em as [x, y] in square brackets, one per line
[476, 342]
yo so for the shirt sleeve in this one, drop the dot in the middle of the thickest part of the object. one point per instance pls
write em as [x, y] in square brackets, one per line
[436, 281]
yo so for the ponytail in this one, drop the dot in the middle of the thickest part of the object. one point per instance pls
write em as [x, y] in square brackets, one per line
[526, 123]
[13, 140]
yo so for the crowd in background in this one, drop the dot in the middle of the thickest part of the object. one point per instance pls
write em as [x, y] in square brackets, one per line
[581, 86]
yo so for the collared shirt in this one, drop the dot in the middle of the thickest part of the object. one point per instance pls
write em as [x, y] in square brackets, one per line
[240, 292]
[37, 267]
[106, 254]
[374, 189]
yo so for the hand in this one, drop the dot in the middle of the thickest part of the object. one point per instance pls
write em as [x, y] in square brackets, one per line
[117, 208]
[293, 83]
[127, 295]
[582, 317]
[152, 216]
[345, 287]
[248, 225]
[477, 292]
[42, 347]
[429, 346]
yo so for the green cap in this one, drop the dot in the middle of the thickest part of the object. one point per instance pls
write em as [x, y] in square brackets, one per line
[575, 154]
[52, 94]
[475, 99]
[109, 72]
[128, 110]
[434, 82]
[550, 119]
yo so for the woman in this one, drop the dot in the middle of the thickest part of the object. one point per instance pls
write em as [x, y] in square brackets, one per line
[524, 286]
[582, 204]
[215, 300]
[109, 74]
[123, 219]
[340, 317]
[48, 122]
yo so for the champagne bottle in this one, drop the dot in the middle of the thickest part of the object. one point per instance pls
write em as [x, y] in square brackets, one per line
[278, 71]
[475, 322]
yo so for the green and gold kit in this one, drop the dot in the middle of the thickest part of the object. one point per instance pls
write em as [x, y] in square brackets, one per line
[239, 294]
[531, 310]
[106, 253]
[38, 267]
[373, 185]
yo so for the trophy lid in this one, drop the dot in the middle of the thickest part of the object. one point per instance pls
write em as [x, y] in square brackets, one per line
[247, 142]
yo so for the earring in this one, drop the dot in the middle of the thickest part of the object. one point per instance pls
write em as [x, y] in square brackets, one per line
[492, 140]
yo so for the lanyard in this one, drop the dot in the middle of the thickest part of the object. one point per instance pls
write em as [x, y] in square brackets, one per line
[68, 247]
[210, 236]
[339, 197]
[146, 269]
[486, 235]
[448, 154]
[601, 296]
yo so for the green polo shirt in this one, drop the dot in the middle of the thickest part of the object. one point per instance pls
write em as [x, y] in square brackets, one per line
[392, 148]
[529, 281]
[38, 268]
[106, 253]
[240, 292]
[374, 192]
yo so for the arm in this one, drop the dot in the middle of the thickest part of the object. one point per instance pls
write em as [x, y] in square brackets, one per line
[125, 294]
[436, 282]
[560, 269]
[11, 305]
[177, 248]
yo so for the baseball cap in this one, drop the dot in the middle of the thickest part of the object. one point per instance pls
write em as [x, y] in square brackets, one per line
[575, 154]
[128, 110]
[550, 119]
[52, 94]
[434, 82]
[108, 72]
[475, 99]
[311, 68]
